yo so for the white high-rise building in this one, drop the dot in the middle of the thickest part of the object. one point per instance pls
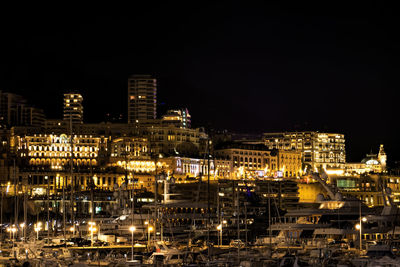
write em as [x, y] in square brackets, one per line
[142, 98]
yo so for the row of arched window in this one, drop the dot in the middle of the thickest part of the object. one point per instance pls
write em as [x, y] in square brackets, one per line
[62, 162]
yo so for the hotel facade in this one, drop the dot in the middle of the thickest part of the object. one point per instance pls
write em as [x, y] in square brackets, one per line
[318, 150]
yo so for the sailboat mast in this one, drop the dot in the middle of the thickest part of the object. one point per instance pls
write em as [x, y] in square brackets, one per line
[208, 198]
[63, 206]
[1, 213]
[238, 220]
[269, 215]
[72, 177]
[15, 195]
[48, 209]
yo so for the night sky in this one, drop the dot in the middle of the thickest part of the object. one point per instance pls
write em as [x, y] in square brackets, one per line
[246, 67]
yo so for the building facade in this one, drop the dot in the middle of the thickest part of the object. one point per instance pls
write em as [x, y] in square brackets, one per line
[73, 108]
[319, 150]
[142, 98]
[57, 151]
[179, 117]
[172, 140]
[372, 163]
[15, 111]
[253, 161]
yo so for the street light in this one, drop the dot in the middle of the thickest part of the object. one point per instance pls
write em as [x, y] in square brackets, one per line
[13, 230]
[149, 229]
[359, 227]
[92, 229]
[72, 230]
[219, 228]
[22, 225]
[9, 230]
[38, 227]
[132, 229]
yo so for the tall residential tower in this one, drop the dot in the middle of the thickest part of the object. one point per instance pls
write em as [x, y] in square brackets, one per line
[73, 108]
[142, 98]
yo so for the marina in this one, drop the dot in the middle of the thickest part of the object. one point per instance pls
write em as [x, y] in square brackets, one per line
[326, 234]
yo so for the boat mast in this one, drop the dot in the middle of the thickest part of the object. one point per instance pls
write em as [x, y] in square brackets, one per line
[92, 185]
[269, 216]
[1, 213]
[15, 195]
[238, 221]
[155, 196]
[48, 209]
[72, 178]
[208, 198]
[63, 207]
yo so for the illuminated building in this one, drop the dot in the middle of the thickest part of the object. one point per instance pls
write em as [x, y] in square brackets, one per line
[319, 150]
[289, 162]
[223, 168]
[253, 161]
[372, 163]
[180, 118]
[191, 167]
[73, 108]
[129, 147]
[142, 98]
[369, 188]
[54, 151]
[172, 140]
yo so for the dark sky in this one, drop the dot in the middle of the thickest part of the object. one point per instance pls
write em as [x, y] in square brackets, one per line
[247, 67]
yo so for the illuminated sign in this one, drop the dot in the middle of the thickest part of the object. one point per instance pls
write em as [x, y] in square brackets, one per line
[345, 183]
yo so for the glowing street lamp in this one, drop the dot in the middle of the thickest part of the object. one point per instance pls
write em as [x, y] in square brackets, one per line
[149, 229]
[92, 229]
[219, 228]
[37, 228]
[13, 230]
[9, 230]
[22, 225]
[132, 229]
[359, 227]
[72, 230]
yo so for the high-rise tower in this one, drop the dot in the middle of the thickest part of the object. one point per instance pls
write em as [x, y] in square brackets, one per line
[142, 98]
[73, 108]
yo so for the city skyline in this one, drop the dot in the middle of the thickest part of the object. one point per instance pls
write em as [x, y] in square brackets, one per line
[258, 68]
